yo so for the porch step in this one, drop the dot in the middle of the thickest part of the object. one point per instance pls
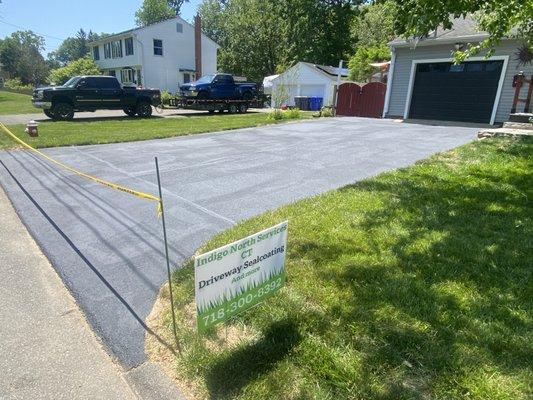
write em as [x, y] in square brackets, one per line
[521, 117]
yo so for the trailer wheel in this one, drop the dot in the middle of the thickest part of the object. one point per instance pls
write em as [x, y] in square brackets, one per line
[233, 109]
[243, 108]
[211, 111]
[221, 111]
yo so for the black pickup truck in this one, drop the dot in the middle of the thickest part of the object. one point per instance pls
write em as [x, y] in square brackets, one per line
[219, 87]
[91, 93]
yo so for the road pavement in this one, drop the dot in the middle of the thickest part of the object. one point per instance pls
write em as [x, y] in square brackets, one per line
[107, 245]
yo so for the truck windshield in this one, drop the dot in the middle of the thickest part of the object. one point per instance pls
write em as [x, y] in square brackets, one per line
[206, 79]
[71, 82]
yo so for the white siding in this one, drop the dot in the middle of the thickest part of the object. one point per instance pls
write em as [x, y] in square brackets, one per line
[402, 69]
[303, 80]
[122, 62]
[163, 72]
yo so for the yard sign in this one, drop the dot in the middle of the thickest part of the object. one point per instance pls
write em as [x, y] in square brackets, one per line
[237, 276]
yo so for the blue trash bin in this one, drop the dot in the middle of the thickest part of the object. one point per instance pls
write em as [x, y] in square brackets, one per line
[315, 103]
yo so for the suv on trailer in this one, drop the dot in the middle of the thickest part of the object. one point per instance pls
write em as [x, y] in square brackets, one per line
[91, 93]
[219, 87]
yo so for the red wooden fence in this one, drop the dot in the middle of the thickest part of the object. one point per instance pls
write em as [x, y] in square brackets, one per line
[361, 101]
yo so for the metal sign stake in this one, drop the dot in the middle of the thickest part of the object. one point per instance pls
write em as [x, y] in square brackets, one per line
[162, 208]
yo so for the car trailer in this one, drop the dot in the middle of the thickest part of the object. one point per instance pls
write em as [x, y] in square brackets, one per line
[212, 105]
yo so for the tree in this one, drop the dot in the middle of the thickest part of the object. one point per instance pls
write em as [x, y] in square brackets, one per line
[82, 66]
[153, 11]
[375, 24]
[261, 37]
[359, 64]
[72, 48]
[176, 5]
[21, 57]
[499, 18]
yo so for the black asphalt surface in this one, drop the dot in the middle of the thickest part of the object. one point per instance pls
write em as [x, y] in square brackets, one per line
[107, 245]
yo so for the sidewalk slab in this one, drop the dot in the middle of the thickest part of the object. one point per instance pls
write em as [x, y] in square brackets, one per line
[48, 350]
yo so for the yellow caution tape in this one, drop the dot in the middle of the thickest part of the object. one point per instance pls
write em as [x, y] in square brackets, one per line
[112, 185]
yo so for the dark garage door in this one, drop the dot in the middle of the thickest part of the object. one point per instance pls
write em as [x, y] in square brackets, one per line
[463, 92]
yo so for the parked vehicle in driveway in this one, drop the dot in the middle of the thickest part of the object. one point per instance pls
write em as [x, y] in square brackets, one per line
[219, 87]
[91, 93]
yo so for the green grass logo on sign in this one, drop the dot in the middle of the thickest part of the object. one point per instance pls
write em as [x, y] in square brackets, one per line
[235, 277]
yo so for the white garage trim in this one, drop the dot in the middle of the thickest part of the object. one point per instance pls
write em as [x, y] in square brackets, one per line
[390, 77]
[414, 63]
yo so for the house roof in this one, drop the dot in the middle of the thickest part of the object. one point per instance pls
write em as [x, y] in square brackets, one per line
[123, 33]
[463, 28]
[328, 70]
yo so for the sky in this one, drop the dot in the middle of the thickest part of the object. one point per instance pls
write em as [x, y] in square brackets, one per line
[59, 19]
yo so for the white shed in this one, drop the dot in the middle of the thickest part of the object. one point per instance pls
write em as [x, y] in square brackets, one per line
[306, 79]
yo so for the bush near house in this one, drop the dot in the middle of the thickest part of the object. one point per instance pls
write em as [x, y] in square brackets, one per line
[415, 284]
[82, 66]
[359, 64]
[16, 85]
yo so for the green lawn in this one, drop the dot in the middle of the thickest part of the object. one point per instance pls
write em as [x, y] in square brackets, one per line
[112, 130]
[15, 103]
[415, 284]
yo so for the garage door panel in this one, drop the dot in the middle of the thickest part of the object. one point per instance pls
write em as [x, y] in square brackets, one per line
[464, 92]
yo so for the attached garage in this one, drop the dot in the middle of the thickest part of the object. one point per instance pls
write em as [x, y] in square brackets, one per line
[425, 84]
[455, 92]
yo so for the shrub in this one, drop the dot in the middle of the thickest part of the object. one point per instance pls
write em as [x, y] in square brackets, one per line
[83, 66]
[359, 64]
[17, 85]
[165, 98]
[275, 115]
[292, 113]
[326, 112]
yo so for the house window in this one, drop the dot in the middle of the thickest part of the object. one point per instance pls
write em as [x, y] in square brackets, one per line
[116, 49]
[186, 78]
[126, 76]
[179, 27]
[128, 44]
[112, 72]
[107, 50]
[158, 47]
[96, 53]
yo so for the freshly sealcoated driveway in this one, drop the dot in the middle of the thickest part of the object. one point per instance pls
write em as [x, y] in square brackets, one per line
[107, 245]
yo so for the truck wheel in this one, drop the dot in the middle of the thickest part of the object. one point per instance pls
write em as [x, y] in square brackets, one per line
[130, 112]
[233, 109]
[63, 112]
[144, 109]
[243, 108]
[211, 111]
[49, 113]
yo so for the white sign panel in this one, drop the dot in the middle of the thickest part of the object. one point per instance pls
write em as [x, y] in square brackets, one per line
[235, 277]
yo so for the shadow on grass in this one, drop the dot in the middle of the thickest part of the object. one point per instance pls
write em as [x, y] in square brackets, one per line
[442, 282]
[228, 376]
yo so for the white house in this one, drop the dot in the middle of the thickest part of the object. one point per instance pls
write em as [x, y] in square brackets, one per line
[306, 79]
[163, 55]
